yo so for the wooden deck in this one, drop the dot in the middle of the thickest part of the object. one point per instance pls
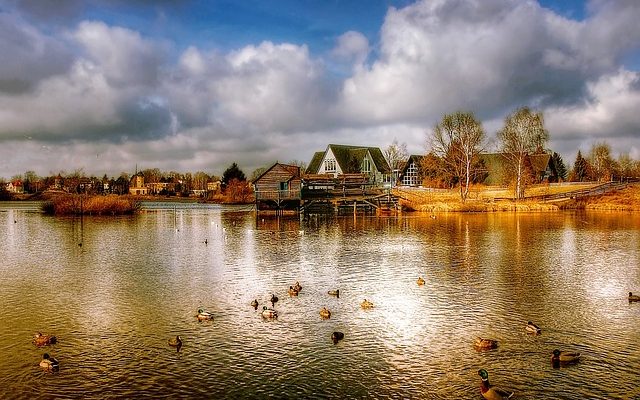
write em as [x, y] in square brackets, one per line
[321, 193]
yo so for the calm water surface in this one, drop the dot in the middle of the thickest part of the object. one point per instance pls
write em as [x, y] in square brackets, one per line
[137, 281]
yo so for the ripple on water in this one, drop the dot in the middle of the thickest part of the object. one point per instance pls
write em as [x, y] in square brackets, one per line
[138, 281]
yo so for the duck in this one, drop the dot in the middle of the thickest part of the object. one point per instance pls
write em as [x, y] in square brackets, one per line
[564, 357]
[254, 304]
[533, 328]
[297, 286]
[40, 339]
[269, 312]
[49, 363]
[491, 392]
[366, 304]
[420, 281]
[633, 297]
[334, 292]
[274, 299]
[337, 336]
[204, 315]
[292, 291]
[485, 344]
[325, 313]
[176, 342]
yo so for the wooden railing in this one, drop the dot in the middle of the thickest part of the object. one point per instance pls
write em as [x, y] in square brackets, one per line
[278, 194]
[576, 194]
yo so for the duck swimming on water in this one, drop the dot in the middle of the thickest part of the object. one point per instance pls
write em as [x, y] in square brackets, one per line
[366, 304]
[40, 339]
[633, 297]
[533, 328]
[485, 344]
[269, 313]
[274, 300]
[490, 392]
[564, 357]
[254, 304]
[337, 336]
[325, 313]
[334, 292]
[176, 342]
[204, 315]
[49, 363]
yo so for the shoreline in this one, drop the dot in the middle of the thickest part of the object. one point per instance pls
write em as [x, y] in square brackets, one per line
[486, 200]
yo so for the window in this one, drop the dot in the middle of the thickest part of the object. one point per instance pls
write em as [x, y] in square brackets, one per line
[410, 177]
[284, 186]
[330, 165]
[366, 165]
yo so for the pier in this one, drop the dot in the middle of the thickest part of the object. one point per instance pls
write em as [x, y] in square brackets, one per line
[344, 194]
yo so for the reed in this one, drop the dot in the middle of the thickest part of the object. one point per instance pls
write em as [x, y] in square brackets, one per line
[91, 205]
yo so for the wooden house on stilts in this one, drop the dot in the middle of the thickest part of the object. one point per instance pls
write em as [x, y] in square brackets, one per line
[278, 189]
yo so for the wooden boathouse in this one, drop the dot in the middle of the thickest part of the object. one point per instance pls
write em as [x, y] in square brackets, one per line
[278, 189]
[282, 190]
[340, 179]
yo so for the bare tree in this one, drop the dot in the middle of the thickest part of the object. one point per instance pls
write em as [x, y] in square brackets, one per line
[200, 180]
[300, 164]
[396, 155]
[458, 139]
[523, 134]
[601, 161]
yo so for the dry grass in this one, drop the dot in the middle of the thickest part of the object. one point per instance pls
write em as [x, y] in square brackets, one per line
[91, 205]
[494, 199]
[622, 200]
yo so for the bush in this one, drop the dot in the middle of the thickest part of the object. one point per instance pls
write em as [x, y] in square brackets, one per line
[91, 205]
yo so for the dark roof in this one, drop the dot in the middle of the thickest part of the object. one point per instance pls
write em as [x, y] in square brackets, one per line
[344, 152]
[412, 158]
[294, 170]
[539, 162]
[314, 164]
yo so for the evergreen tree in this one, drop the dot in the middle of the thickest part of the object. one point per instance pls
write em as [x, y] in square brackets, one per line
[233, 172]
[580, 168]
[561, 169]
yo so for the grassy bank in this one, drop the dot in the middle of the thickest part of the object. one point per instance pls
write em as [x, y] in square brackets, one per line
[487, 199]
[91, 205]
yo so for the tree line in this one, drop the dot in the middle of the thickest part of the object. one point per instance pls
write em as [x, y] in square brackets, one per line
[233, 187]
[458, 142]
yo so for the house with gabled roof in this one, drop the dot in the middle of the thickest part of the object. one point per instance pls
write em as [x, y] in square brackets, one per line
[410, 171]
[497, 170]
[137, 186]
[278, 187]
[345, 159]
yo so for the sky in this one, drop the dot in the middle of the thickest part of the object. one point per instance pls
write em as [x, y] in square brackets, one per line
[108, 86]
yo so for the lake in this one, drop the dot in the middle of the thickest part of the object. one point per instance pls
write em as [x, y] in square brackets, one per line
[114, 290]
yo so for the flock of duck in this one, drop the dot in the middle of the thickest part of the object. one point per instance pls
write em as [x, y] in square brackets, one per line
[488, 391]
[558, 358]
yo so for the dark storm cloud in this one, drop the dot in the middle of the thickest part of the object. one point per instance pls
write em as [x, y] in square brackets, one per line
[96, 88]
[28, 56]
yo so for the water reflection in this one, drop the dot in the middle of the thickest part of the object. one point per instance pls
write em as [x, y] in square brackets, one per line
[137, 282]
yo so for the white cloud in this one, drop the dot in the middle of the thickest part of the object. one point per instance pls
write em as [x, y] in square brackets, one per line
[28, 56]
[610, 114]
[71, 100]
[352, 47]
[123, 55]
[488, 56]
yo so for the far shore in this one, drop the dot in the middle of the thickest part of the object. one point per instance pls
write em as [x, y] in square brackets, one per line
[480, 199]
